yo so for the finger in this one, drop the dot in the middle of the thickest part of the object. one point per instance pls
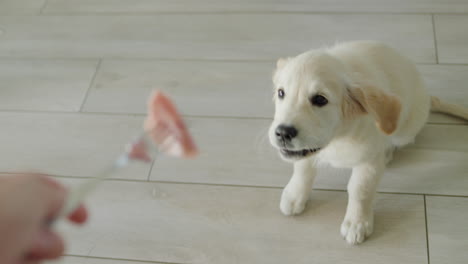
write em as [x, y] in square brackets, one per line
[51, 193]
[79, 216]
[30, 262]
[51, 181]
[56, 195]
[47, 245]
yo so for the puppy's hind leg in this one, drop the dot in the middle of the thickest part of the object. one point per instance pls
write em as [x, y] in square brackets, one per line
[359, 219]
[297, 192]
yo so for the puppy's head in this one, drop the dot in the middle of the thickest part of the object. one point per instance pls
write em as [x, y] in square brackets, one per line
[313, 98]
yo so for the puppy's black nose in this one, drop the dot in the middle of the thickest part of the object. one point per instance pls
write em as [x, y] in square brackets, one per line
[285, 133]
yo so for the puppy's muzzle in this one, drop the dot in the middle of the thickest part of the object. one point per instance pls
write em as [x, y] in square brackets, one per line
[285, 134]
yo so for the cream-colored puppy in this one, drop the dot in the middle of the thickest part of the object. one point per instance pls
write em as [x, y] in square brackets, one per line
[349, 106]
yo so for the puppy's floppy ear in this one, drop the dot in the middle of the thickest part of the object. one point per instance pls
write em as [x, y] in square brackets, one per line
[384, 108]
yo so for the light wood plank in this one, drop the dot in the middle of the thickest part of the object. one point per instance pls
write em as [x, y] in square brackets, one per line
[51, 85]
[452, 38]
[446, 222]
[148, 6]
[241, 89]
[428, 171]
[206, 36]
[21, 7]
[85, 260]
[448, 82]
[210, 224]
[67, 144]
[443, 137]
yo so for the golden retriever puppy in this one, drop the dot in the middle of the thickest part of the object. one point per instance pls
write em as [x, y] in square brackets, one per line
[349, 106]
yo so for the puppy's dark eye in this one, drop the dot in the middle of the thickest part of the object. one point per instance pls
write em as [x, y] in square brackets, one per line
[319, 100]
[281, 93]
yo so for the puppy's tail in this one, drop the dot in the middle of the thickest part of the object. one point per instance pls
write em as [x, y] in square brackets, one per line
[440, 106]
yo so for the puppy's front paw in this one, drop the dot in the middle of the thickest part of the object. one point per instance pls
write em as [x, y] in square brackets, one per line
[355, 231]
[293, 201]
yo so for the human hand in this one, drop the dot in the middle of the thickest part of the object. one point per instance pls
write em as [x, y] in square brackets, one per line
[29, 203]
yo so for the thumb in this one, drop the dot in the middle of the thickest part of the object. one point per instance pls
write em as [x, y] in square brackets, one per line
[47, 245]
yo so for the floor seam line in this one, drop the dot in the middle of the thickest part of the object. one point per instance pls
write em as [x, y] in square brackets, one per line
[151, 168]
[434, 33]
[123, 259]
[250, 12]
[427, 231]
[41, 11]
[91, 84]
[184, 115]
[241, 185]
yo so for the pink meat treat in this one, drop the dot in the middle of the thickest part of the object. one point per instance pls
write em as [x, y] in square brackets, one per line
[166, 129]
[139, 151]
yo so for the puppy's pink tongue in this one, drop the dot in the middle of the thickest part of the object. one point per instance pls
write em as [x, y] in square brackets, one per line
[166, 129]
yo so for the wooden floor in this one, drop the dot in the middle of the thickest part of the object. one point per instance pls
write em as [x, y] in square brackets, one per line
[74, 77]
